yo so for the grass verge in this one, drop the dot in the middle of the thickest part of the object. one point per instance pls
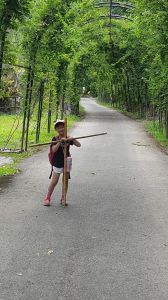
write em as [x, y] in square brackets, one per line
[6, 124]
[157, 133]
[12, 169]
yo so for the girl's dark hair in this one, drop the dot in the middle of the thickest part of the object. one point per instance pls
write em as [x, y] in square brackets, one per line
[56, 125]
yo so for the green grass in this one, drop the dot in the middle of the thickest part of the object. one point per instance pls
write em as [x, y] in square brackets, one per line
[157, 133]
[82, 111]
[8, 170]
[12, 168]
[106, 104]
[7, 122]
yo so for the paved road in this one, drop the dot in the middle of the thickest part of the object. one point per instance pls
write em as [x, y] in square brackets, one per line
[111, 243]
[5, 161]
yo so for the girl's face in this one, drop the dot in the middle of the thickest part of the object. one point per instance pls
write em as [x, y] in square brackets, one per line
[60, 129]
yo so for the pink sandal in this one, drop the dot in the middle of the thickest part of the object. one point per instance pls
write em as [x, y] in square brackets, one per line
[63, 203]
[46, 202]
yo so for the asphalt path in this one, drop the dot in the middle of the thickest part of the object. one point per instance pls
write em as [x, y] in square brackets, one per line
[111, 242]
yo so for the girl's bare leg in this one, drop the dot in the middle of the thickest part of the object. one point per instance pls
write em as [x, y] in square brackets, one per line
[54, 181]
[52, 185]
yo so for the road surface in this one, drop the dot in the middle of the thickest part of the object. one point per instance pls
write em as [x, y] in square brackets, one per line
[111, 243]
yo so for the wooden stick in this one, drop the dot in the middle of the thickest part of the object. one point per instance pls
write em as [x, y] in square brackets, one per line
[65, 163]
[89, 136]
[75, 138]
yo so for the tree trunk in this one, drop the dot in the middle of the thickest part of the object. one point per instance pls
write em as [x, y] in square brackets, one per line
[62, 104]
[57, 108]
[49, 111]
[154, 118]
[40, 109]
[166, 123]
[25, 108]
[29, 109]
[2, 52]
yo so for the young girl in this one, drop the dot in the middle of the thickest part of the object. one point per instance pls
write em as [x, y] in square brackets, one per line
[58, 160]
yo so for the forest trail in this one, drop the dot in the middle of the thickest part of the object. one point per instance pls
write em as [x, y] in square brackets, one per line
[111, 243]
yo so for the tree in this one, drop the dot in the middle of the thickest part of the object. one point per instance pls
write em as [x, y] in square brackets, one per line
[10, 11]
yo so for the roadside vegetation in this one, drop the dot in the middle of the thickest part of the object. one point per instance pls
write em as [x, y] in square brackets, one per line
[14, 143]
[51, 52]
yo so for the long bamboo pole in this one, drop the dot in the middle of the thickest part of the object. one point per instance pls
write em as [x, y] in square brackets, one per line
[65, 164]
[75, 138]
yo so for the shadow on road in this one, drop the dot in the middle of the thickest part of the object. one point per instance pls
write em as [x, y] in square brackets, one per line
[5, 182]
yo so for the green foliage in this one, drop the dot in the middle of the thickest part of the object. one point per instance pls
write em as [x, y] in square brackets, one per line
[5, 130]
[12, 10]
[72, 44]
[157, 133]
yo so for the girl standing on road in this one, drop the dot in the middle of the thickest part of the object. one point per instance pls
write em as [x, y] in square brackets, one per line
[58, 160]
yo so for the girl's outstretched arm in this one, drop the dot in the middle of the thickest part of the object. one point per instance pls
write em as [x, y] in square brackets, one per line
[75, 142]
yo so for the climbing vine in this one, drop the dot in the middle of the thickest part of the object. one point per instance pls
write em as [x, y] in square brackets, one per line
[53, 48]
